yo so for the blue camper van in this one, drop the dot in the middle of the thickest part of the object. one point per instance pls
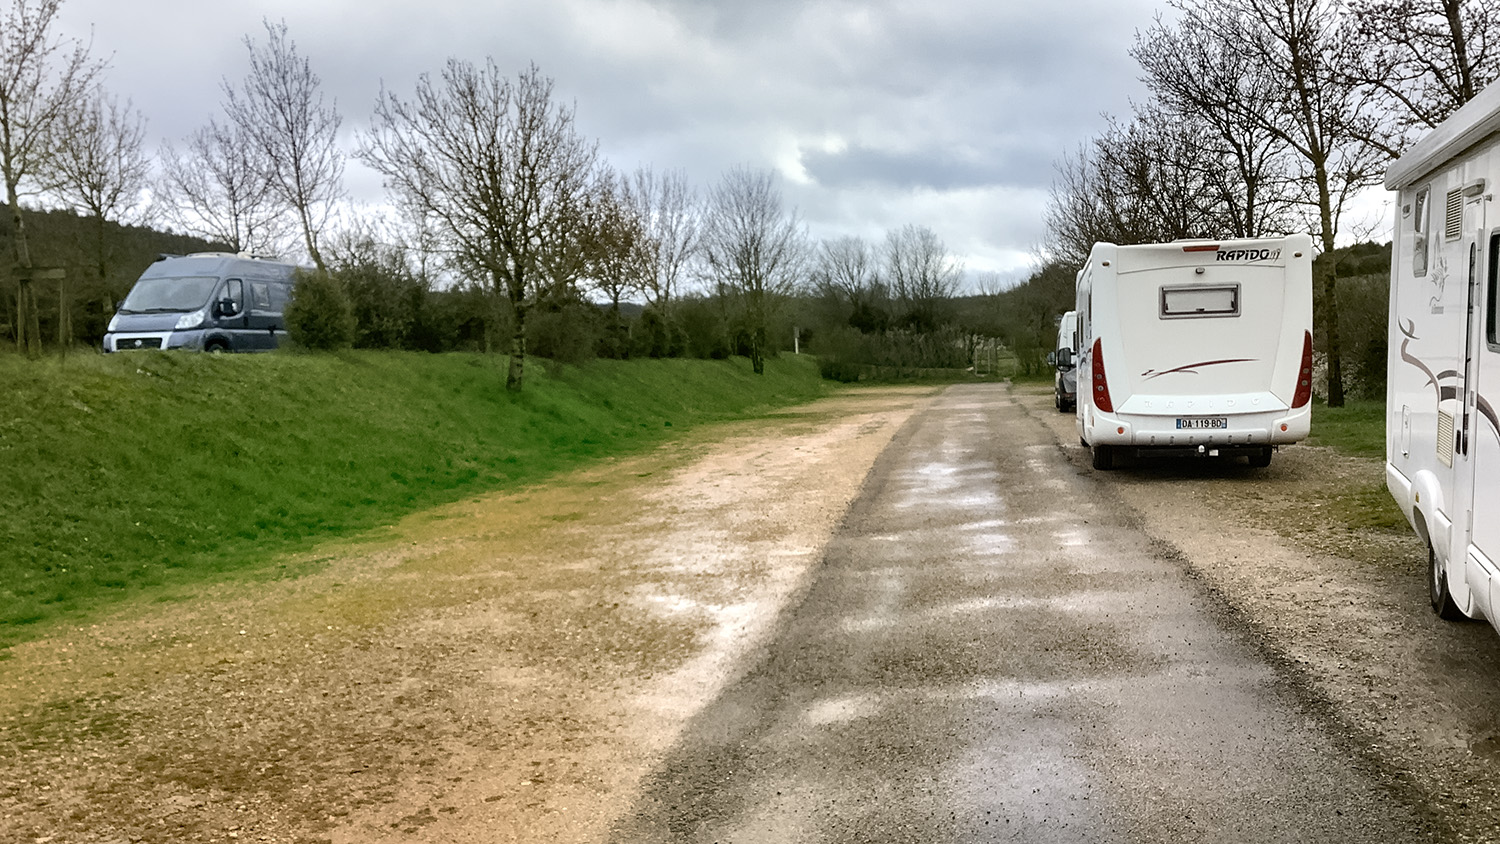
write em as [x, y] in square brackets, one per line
[207, 301]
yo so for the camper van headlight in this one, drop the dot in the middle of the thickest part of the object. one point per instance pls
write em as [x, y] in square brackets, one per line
[114, 323]
[192, 320]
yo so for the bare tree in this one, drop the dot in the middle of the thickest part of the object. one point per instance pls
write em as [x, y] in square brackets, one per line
[102, 167]
[498, 171]
[921, 274]
[1133, 184]
[216, 188]
[43, 79]
[1220, 94]
[618, 247]
[1328, 122]
[753, 251]
[1424, 58]
[1164, 175]
[279, 109]
[845, 266]
[846, 273]
[1078, 213]
[669, 213]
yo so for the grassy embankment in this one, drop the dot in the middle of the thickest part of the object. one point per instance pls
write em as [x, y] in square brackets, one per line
[142, 474]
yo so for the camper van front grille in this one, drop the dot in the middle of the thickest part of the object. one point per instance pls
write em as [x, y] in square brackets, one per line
[138, 343]
[1453, 226]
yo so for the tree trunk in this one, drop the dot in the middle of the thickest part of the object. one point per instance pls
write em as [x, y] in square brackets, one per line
[1332, 346]
[64, 317]
[513, 378]
[28, 326]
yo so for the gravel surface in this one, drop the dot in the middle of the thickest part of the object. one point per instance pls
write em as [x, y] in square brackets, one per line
[509, 668]
[1345, 609]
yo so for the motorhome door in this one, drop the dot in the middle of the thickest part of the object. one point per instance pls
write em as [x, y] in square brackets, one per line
[1481, 440]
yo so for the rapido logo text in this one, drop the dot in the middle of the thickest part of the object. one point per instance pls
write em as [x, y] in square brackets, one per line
[1248, 255]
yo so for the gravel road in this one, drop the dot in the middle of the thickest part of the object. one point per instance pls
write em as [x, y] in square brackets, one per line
[518, 667]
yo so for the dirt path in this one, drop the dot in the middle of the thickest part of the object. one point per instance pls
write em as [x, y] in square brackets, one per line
[506, 669]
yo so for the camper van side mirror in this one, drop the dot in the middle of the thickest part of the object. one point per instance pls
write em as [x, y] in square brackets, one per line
[1062, 358]
[1052, 358]
[226, 308]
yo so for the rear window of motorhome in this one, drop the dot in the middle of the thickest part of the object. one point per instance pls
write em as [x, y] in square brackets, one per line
[1200, 301]
[161, 295]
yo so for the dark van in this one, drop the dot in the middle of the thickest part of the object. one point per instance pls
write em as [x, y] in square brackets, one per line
[207, 301]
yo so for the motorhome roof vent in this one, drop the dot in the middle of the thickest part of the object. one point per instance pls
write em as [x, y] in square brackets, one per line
[1453, 226]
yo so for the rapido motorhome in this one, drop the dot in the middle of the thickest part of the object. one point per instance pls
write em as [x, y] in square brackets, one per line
[1201, 347]
[1442, 435]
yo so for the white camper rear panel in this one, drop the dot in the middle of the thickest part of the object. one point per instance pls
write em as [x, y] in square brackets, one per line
[1198, 334]
[1251, 350]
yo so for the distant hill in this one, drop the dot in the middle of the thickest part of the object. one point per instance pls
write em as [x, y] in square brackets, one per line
[100, 266]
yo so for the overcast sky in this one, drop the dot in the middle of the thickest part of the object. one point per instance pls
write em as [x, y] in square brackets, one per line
[943, 113]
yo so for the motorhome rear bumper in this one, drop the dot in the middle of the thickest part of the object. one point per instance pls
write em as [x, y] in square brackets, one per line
[1244, 429]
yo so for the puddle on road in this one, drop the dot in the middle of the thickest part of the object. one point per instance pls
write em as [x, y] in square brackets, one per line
[841, 710]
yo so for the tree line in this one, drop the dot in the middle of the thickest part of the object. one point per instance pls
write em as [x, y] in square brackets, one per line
[511, 233]
[1267, 117]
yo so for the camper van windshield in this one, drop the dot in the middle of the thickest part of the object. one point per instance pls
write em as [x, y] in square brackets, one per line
[164, 295]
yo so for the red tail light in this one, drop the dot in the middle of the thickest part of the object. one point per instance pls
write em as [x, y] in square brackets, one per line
[1101, 386]
[1304, 374]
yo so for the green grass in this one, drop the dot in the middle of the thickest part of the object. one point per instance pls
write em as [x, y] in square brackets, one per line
[1357, 428]
[123, 474]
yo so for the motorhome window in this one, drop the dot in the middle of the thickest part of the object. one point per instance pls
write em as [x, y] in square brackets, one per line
[1419, 229]
[260, 296]
[280, 293]
[164, 295]
[1200, 301]
[1491, 336]
[234, 291]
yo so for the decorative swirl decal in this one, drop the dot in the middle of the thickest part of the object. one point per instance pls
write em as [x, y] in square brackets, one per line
[1409, 330]
[1444, 392]
[1192, 368]
[1488, 412]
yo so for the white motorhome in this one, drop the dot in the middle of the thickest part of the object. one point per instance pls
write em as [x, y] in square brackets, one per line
[1442, 435]
[1064, 359]
[1200, 347]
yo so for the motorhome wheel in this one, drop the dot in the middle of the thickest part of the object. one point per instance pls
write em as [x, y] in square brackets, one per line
[1104, 457]
[1437, 587]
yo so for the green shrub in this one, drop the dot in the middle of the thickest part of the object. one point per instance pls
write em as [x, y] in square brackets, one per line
[320, 316]
[703, 325]
[566, 331]
[657, 335]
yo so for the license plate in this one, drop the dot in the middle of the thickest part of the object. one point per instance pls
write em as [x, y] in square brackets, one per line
[1202, 423]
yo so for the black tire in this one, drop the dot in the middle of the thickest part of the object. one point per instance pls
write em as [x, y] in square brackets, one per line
[215, 347]
[1261, 457]
[1437, 588]
[1104, 457]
